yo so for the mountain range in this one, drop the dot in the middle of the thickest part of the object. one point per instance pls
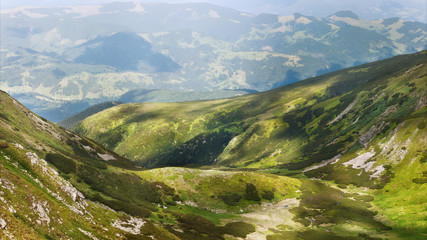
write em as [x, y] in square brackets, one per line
[338, 156]
[412, 10]
[79, 56]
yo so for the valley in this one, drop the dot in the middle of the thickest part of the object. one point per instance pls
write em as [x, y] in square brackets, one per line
[339, 156]
[186, 121]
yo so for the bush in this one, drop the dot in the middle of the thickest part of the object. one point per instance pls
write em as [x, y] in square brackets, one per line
[365, 198]
[231, 199]
[130, 208]
[419, 180]
[318, 111]
[251, 193]
[238, 229]
[4, 145]
[61, 162]
[421, 125]
[268, 195]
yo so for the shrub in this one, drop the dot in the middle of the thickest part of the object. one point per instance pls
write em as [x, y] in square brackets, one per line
[269, 195]
[419, 180]
[129, 208]
[421, 125]
[231, 199]
[4, 145]
[251, 193]
[318, 111]
[238, 229]
[61, 162]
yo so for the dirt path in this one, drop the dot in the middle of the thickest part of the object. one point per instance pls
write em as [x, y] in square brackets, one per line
[270, 217]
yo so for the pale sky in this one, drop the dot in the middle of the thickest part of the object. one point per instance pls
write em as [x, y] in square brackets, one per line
[370, 9]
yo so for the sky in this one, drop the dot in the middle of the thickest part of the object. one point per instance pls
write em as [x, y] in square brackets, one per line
[413, 10]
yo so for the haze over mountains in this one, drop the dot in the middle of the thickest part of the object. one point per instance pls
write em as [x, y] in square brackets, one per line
[413, 10]
[58, 55]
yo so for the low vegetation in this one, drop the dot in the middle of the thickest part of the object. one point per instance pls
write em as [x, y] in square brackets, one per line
[341, 156]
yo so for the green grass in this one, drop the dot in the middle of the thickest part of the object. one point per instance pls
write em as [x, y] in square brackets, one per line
[243, 156]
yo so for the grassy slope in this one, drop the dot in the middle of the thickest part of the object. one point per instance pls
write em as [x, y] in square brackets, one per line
[73, 120]
[27, 180]
[288, 129]
[172, 200]
[32, 185]
[220, 202]
[256, 130]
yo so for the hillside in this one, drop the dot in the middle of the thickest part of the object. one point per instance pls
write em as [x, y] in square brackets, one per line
[301, 114]
[94, 54]
[358, 128]
[41, 198]
[147, 95]
[67, 194]
[73, 120]
[123, 51]
[56, 184]
[83, 191]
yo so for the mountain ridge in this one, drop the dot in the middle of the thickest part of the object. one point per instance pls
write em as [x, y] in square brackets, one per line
[261, 52]
[372, 190]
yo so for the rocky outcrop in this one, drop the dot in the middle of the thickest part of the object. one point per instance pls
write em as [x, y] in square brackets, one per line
[3, 223]
[42, 211]
[346, 110]
[133, 225]
[367, 137]
[363, 162]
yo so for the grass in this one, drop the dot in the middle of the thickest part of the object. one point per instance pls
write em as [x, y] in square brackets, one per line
[246, 144]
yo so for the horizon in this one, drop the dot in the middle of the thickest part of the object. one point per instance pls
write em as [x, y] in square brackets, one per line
[414, 10]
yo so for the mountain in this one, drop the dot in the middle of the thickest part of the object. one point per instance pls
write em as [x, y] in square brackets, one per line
[148, 95]
[412, 10]
[92, 54]
[73, 120]
[57, 184]
[165, 133]
[82, 190]
[123, 51]
[362, 127]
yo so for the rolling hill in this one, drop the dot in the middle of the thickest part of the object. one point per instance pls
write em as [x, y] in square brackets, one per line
[359, 128]
[301, 114]
[149, 95]
[58, 184]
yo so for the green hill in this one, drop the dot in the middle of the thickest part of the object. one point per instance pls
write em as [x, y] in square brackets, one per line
[163, 95]
[373, 188]
[311, 121]
[56, 184]
[358, 128]
[148, 95]
[73, 120]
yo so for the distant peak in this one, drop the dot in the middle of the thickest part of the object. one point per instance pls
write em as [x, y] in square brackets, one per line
[347, 13]
[298, 15]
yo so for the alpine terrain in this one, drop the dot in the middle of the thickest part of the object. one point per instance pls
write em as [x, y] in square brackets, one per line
[338, 156]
